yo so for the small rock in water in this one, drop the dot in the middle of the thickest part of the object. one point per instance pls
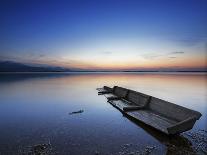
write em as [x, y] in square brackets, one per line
[148, 150]
[41, 149]
[76, 112]
[131, 153]
[127, 145]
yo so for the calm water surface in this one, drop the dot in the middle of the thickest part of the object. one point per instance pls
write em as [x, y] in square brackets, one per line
[34, 110]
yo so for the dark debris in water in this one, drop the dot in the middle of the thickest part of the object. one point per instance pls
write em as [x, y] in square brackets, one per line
[179, 150]
[97, 153]
[76, 112]
[126, 150]
[38, 149]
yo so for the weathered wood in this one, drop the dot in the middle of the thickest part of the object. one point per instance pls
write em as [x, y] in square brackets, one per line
[133, 108]
[120, 92]
[152, 119]
[104, 92]
[164, 116]
[109, 95]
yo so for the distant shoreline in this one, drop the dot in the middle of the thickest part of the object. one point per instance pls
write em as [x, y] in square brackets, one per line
[104, 71]
[16, 67]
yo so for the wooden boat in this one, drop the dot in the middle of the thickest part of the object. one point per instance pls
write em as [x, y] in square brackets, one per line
[164, 116]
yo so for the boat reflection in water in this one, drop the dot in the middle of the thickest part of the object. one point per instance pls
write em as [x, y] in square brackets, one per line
[175, 144]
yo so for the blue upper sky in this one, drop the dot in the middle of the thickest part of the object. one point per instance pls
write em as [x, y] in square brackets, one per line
[104, 34]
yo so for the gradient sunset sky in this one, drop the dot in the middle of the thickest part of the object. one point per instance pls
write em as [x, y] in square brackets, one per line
[102, 34]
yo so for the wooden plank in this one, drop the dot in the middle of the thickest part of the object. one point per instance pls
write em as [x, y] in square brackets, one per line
[152, 119]
[120, 104]
[100, 89]
[109, 95]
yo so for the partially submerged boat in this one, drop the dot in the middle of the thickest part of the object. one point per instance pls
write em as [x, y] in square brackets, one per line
[164, 116]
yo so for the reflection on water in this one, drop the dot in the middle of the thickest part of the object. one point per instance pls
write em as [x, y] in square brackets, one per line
[177, 144]
[34, 109]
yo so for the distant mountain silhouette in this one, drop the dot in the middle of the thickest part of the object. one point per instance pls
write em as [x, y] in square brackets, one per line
[10, 66]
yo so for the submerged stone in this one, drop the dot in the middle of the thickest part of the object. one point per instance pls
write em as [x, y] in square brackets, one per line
[76, 112]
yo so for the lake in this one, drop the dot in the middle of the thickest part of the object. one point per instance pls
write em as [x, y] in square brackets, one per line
[35, 107]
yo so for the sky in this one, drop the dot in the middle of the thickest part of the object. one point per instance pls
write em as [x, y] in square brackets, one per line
[105, 35]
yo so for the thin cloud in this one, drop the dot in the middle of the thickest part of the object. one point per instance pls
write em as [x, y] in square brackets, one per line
[169, 55]
[190, 41]
[107, 52]
[35, 56]
[179, 52]
[41, 55]
[150, 56]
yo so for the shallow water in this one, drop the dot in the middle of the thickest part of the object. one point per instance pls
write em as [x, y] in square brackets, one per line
[35, 107]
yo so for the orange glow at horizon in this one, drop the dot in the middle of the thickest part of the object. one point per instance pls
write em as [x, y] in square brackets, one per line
[133, 63]
[128, 62]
